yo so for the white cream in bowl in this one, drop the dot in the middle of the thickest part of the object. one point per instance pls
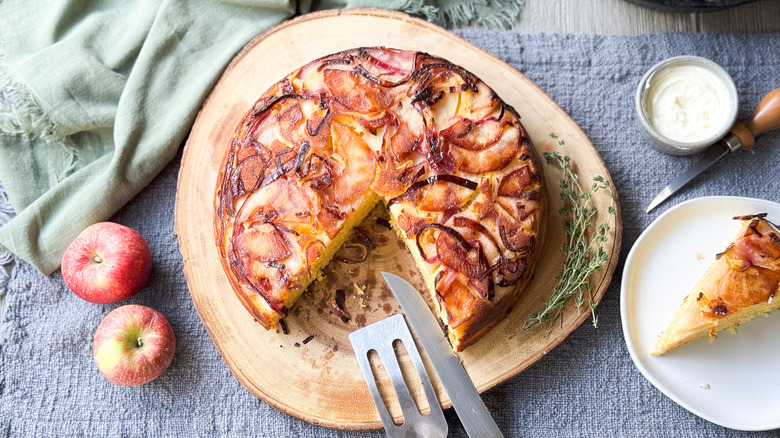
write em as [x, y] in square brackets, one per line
[685, 104]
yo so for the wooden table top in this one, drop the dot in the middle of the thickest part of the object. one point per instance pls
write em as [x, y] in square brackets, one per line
[624, 17]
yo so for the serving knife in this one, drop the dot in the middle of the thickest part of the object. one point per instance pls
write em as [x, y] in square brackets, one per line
[465, 399]
[765, 118]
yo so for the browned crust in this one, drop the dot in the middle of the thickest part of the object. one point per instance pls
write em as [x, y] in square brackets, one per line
[264, 316]
[486, 315]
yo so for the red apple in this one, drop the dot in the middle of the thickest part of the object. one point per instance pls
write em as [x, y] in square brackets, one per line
[106, 263]
[133, 345]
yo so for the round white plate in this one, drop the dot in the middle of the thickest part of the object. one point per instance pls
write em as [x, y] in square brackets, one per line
[731, 381]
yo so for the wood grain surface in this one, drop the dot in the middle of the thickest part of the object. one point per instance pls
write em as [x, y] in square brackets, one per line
[624, 17]
[311, 372]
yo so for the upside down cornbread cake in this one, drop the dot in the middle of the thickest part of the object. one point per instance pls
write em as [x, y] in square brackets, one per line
[446, 155]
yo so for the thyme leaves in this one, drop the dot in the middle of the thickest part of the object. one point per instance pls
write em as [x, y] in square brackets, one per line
[584, 245]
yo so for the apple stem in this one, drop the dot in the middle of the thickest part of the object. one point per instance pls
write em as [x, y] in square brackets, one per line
[139, 342]
[98, 259]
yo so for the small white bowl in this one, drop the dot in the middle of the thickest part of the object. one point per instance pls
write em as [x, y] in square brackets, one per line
[729, 107]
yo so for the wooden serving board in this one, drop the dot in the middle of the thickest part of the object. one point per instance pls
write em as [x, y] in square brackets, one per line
[311, 372]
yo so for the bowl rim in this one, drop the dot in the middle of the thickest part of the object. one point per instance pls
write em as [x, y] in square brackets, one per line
[673, 146]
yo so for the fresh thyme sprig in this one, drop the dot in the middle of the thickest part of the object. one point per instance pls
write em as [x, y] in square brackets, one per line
[584, 246]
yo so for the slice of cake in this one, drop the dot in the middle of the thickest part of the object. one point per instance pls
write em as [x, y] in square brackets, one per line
[324, 145]
[742, 282]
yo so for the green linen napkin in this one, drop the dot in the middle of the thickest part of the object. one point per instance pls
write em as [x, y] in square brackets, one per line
[97, 96]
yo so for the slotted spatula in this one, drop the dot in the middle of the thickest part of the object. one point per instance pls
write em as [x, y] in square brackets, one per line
[380, 337]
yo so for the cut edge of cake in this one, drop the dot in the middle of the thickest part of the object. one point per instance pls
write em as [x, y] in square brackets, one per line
[688, 324]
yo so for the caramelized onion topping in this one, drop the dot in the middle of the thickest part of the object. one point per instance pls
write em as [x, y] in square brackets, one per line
[364, 237]
[273, 100]
[324, 181]
[460, 221]
[313, 130]
[328, 62]
[337, 306]
[359, 69]
[466, 76]
[463, 242]
[490, 270]
[357, 252]
[457, 254]
[463, 182]
[504, 266]
[523, 250]
[300, 170]
[283, 325]
[281, 168]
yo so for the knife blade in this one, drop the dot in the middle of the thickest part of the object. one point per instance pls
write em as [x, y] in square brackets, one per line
[765, 118]
[465, 399]
[711, 155]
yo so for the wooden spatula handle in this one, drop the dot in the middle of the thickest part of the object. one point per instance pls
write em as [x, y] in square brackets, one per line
[765, 118]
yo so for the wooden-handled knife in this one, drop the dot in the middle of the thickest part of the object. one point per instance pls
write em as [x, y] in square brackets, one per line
[765, 118]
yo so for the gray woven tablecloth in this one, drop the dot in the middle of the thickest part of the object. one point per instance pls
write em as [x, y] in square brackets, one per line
[587, 386]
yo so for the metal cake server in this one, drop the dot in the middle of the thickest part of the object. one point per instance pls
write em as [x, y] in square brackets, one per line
[465, 399]
[765, 118]
[379, 337]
